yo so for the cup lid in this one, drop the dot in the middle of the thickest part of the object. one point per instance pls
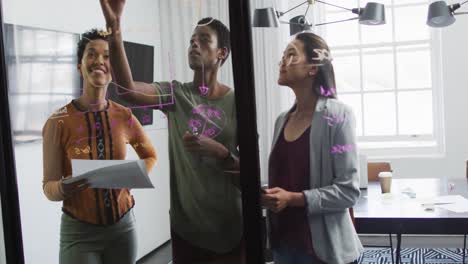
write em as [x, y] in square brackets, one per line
[385, 174]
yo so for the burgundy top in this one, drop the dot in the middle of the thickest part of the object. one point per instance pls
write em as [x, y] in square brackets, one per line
[289, 170]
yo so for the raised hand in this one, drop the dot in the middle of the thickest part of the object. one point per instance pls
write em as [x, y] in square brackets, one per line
[112, 10]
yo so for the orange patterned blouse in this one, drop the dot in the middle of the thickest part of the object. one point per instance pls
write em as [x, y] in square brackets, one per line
[74, 133]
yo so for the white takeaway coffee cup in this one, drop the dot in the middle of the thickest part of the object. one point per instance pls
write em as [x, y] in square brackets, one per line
[385, 178]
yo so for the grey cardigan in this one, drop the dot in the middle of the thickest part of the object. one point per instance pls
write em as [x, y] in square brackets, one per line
[334, 183]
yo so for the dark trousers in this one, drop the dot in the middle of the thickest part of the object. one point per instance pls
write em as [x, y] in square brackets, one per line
[185, 253]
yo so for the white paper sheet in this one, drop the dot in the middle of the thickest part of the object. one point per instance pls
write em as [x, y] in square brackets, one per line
[446, 199]
[459, 207]
[113, 174]
[454, 203]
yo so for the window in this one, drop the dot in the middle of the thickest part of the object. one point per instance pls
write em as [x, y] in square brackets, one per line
[42, 77]
[385, 73]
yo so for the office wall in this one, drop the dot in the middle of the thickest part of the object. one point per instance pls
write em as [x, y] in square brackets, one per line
[41, 217]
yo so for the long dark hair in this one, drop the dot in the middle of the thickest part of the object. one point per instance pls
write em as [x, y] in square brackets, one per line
[325, 78]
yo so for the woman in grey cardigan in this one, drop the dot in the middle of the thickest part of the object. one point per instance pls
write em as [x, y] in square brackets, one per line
[313, 164]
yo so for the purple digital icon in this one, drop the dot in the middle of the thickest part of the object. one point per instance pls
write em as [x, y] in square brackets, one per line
[203, 90]
[80, 129]
[209, 132]
[195, 125]
[207, 120]
[329, 120]
[197, 110]
[146, 119]
[213, 113]
[327, 93]
[333, 119]
[335, 150]
[97, 125]
[339, 149]
[337, 118]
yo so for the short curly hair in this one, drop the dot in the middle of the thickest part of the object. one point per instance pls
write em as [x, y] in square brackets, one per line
[88, 36]
[222, 33]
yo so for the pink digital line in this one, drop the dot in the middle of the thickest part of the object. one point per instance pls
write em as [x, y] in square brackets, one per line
[130, 121]
[83, 138]
[98, 104]
[203, 89]
[204, 126]
[136, 107]
[333, 120]
[172, 88]
[148, 106]
[171, 76]
[90, 111]
[55, 117]
[93, 111]
[290, 61]
[209, 120]
[96, 126]
[117, 90]
[131, 91]
[203, 74]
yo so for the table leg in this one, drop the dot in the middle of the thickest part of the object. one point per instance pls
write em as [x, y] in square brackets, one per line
[464, 248]
[398, 249]
[391, 247]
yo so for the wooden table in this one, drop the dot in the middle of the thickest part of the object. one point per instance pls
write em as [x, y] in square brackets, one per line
[399, 214]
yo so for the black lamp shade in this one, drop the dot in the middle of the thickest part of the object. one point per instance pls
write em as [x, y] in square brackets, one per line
[298, 24]
[439, 15]
[265, 17]
[372, 14]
